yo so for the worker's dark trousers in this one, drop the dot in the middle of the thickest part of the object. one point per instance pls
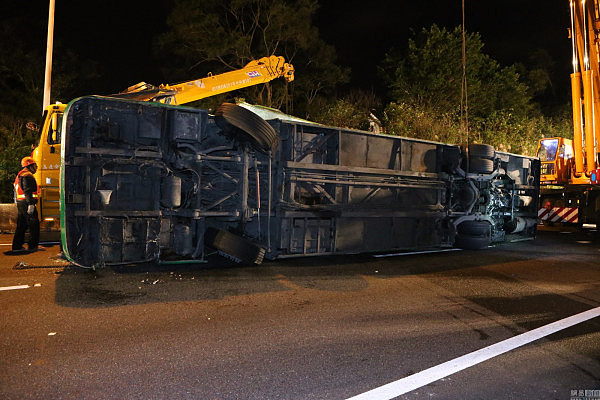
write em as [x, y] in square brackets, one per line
[24, 222]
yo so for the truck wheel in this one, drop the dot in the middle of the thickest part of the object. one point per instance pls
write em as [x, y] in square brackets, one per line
[474, 228]
[481, 151]
[234, 247]
[245, 126]
[468, 242]
[481, 165]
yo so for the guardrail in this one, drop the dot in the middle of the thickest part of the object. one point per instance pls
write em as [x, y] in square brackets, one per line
[8, 217]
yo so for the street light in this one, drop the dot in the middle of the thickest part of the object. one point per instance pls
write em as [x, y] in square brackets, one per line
[48, 78]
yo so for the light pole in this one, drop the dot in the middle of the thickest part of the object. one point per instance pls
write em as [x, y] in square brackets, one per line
[48, 78]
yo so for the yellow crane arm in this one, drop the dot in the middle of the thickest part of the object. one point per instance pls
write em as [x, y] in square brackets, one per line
[585, 22]
[254, 73]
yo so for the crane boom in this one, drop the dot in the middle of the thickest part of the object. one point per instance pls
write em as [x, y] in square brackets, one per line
[254, 73]
[586, 74]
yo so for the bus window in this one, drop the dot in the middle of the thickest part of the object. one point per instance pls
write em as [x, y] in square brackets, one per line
[55, 124]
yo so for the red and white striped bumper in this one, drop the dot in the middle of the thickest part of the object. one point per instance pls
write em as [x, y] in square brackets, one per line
[559, 214]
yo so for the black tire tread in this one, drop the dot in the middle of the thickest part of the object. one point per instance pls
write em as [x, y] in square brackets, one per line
[468, 242]
[481, 165]
[246, 126]
[482, 151]
[474, 228]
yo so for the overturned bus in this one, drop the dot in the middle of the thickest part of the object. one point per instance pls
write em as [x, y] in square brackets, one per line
[155, 182]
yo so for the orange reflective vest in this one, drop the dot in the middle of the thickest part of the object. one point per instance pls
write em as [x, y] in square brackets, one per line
[19, 194]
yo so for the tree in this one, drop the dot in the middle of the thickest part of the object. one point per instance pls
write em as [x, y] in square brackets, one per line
[214, 35]
[540, 72]
[411, 120]
[430, 75]
[22, 84]
[15, 142]
[353, 111]
[21, 100]
[426, 93]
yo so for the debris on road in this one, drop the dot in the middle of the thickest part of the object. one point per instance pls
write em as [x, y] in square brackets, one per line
[20, 265]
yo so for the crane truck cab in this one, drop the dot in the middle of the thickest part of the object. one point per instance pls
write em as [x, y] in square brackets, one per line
[47, 156]
[556, 157]
[566, 197]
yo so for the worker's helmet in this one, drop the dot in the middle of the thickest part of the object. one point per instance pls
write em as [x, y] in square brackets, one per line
[27, 161]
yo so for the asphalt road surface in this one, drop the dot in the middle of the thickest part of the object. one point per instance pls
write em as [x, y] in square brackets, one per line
[313, 328]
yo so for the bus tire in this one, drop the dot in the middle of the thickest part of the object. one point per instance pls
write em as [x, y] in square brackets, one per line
[234, 247]
[481, 151]
[481, 165]
[469, 242]
[245, 126]
[474, 228]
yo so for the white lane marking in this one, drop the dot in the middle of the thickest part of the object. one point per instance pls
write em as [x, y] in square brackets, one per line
[414, 253]
[420, 379]
[42, 243]
[14, 287]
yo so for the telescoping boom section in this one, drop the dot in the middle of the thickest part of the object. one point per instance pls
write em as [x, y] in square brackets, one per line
[255, 72]
[155, 182]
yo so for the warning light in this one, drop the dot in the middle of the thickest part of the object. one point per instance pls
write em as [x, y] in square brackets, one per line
[595, 177]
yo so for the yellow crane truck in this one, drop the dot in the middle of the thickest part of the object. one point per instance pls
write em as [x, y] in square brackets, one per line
[47, 153]
[570, 174]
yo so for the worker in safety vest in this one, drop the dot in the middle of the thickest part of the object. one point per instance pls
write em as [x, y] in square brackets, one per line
[26, 196]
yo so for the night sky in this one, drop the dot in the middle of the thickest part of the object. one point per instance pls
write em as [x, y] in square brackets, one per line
[511, 30]
[118, 34]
